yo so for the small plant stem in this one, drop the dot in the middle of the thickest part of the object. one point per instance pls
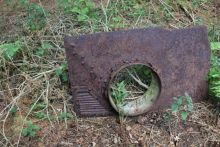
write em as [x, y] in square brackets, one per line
[105, 14]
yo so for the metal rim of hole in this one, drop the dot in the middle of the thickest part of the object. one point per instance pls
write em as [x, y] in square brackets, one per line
[141, 105]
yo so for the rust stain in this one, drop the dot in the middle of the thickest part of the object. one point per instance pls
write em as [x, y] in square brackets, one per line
[181, 58]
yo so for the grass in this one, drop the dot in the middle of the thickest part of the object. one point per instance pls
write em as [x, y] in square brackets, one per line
[30, 130]
[33, 64]
[214, 74]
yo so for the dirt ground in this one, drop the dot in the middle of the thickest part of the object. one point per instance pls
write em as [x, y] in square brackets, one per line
[30, 80]
[152, 129]
[148, 130]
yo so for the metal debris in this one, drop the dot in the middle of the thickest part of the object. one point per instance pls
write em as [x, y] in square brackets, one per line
[181, 58]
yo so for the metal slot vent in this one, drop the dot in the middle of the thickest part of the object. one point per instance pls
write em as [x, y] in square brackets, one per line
[86, 105]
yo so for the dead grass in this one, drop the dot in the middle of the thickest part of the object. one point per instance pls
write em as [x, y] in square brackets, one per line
[30, 79]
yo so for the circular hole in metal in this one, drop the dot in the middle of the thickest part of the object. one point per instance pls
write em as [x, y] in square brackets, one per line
[133, 89]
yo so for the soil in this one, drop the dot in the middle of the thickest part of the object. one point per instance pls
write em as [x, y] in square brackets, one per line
[152, 129]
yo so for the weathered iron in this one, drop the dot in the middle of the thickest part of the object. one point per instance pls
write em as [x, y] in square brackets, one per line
[181, 59]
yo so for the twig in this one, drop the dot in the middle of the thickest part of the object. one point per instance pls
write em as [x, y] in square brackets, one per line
[186, 12]
[137, 79]
[133, 98]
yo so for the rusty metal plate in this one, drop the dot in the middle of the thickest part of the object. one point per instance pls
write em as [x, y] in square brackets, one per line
[181, 58]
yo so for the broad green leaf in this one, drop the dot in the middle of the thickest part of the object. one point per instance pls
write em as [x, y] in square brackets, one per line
[175, 107]
[59, 71]
[184, 115]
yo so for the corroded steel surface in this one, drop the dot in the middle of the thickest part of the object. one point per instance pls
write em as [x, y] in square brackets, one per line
[181, 58]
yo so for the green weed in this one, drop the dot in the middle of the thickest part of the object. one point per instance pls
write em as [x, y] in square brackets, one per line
[39, 106]
[167, 9]
[82, 9]
[215, 46]
[13, 110]
[214, 73]
[10, 50]
[198, 3]
[117, 22]
[41, 115]
[62, 72]
[119, 14]
[119, 93]
[214, 34]
[65, 115]
[30, 130]
[64, 4]
[43, 49]
[183, 105]
[24, 3]
[36, 17]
